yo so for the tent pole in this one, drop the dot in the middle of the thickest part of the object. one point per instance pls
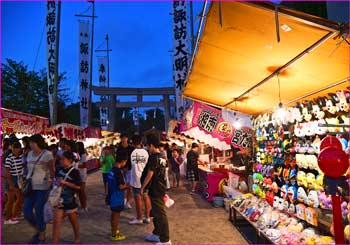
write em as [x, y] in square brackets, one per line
[292, 61]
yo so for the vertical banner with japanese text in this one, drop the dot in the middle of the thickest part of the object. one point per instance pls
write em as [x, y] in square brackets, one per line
[103, 82]
[51, 52]
[84, 72]
[181, 53]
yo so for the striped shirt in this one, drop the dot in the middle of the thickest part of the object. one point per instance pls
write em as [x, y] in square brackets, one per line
[15, 164]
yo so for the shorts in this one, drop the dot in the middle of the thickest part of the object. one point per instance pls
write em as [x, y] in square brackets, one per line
[136, 191]
[69, 211]
[105, 177]
[83, 174]
[127, 177]
[192, 175]
[14, 181]
[117, 209]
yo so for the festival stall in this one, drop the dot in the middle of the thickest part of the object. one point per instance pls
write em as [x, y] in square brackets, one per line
[290, 71]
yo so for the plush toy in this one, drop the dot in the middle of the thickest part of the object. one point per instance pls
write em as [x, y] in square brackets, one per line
[319, 182]
[347, 232]
[301, 179]
[311, 181]
[297, 114]
[292, 176]
[299, 130]
[342, 105]
[292, 194]
[301, 195]
[305, 111]
[312, 199]
[321, 102]
[325, 201]
[270, 197]
[345, 210]
[331, 103]
[316, 144]
[316, 111]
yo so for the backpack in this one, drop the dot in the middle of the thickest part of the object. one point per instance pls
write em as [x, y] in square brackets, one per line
[115, 196]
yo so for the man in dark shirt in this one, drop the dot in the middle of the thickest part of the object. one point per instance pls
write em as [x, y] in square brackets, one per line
[156, 184]
[192, 166]
[126, 149]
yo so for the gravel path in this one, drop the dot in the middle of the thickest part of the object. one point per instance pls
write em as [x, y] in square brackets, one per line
[191, 220]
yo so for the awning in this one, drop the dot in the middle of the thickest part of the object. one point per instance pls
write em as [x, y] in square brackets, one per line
[68, 131]
[19, 122]
[243, 52]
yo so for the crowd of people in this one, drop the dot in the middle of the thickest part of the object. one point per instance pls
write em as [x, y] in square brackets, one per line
[140, 170]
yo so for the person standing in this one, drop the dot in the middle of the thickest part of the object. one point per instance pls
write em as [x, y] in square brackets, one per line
[41, 171]
[126, 149]
[139, 158]
[115, 199]
[14, 179]
[175, 162]
[155, 182]
[107, 161]
[69, 178]
[192, 166]
[82, 167]
[164, 155]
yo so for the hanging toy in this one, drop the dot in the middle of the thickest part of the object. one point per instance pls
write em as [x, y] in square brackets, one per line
[312, 199]
[293, 194]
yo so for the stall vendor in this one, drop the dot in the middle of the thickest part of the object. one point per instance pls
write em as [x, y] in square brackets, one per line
[192, 166]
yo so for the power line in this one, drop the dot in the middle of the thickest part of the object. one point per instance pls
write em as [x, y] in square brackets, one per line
[38, 50]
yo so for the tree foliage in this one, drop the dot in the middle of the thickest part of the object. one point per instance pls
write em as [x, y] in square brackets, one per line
[26, 91]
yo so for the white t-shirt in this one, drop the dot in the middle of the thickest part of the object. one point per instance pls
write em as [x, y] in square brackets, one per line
[41, 172]
[139, 158]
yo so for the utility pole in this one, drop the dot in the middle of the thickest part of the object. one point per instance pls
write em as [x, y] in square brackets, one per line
[192, 26]
[91, 55]
[56, 75]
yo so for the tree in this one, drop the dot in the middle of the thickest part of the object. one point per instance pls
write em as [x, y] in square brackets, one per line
[26, 91]
[153, 119]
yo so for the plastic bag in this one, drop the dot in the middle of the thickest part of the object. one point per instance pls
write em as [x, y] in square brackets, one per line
[168, 201]
[48, 214]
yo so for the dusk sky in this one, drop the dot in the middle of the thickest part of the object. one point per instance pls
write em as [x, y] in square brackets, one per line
[140, 36]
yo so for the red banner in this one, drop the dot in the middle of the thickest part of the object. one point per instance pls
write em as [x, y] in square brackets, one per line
[19, 122]
[68, 131]
[210, 121]
[92, 132]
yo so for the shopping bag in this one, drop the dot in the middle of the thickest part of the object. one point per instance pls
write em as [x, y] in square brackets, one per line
[48, 214]
[168, 201]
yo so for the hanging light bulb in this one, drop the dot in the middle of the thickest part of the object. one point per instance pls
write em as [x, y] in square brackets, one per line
[237, 124]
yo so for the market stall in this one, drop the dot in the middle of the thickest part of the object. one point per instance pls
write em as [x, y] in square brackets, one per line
[290, 71]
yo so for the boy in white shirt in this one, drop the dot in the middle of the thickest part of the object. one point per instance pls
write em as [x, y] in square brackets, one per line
[139, 158]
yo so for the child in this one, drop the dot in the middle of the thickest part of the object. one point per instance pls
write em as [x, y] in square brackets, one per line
[175, 161]
[69, 178]
[115, 198]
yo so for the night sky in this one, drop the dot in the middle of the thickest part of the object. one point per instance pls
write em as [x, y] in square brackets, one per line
[140, 36]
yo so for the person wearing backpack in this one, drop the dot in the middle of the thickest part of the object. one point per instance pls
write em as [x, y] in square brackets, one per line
[115, 197]
[156, 184]
[69, 178]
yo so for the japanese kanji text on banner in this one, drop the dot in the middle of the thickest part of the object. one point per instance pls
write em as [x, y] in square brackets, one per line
[84, 72]
[181, 52]
[51, 51]
[103, 81]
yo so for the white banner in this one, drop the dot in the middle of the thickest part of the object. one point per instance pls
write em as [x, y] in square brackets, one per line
[181, 53]
[103, 82]
[51, 50]
[84, 72]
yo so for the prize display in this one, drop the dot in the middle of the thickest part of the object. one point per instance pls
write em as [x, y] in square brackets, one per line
[294, 150]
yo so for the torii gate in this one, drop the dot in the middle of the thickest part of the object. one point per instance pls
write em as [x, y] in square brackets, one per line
[113, 102]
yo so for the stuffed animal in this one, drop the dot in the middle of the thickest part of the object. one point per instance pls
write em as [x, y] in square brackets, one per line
[301, 179]
[342, 105]
[297, 114]
[299, 130]
[319, 182]
[331, 103]
[316, 110]
[316, 144]
[302, 197]
[321, 102]
[345, 210]
[312, 199]
[311, 181]
[347, 232]
[305, 111]
[325, 201]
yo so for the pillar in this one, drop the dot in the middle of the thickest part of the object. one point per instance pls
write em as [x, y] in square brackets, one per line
[166, 102]
[112, 113]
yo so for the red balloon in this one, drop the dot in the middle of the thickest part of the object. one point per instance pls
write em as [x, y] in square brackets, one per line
[331, 141]
[333, 162]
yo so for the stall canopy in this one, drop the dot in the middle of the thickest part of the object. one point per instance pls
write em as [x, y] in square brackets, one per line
[19, 122]
[238, 57]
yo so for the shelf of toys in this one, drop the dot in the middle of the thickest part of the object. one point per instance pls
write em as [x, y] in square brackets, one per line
[287, 175]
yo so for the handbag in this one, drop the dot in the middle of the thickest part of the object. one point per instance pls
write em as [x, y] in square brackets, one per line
[27, 188]
[55, 193]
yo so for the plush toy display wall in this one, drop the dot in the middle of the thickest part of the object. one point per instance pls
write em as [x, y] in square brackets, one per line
[286, 172]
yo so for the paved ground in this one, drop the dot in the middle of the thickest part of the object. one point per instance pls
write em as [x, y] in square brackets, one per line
[191, 220]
